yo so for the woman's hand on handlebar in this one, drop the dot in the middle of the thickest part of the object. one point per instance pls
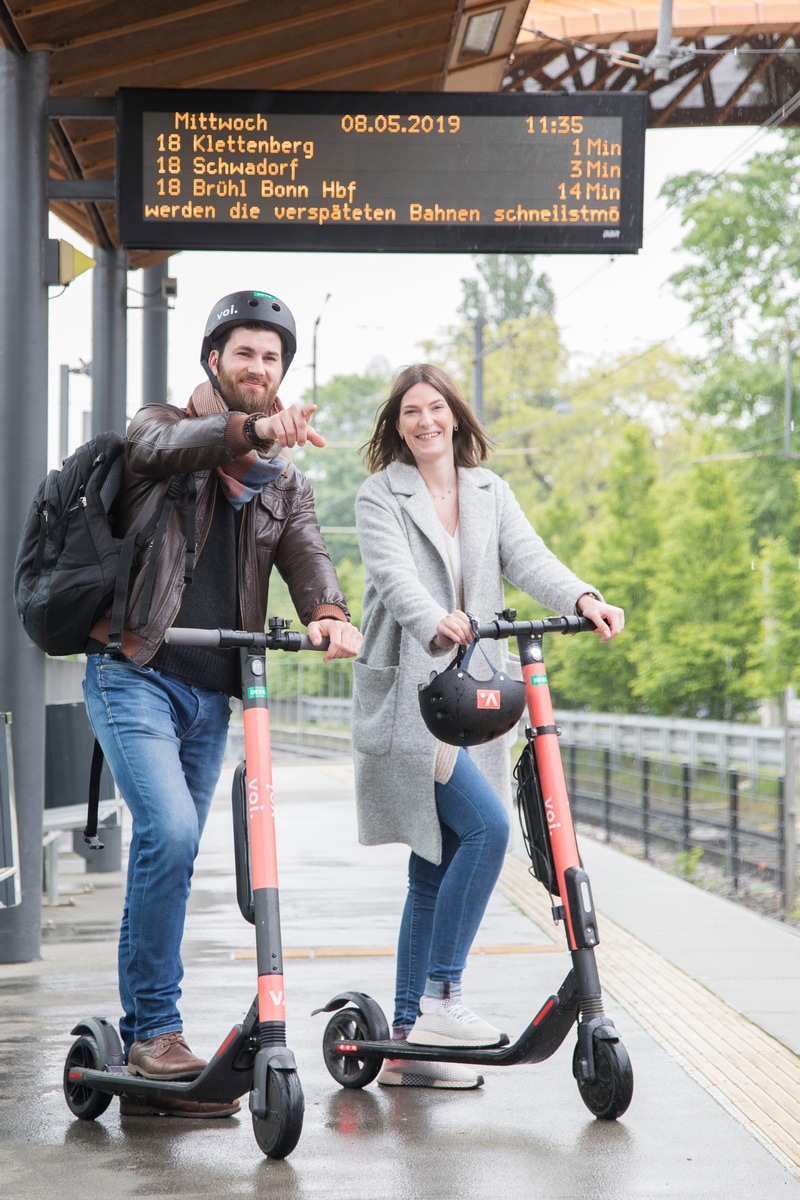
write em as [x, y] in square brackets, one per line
[344, 639]
[453, 630]
[608, 620]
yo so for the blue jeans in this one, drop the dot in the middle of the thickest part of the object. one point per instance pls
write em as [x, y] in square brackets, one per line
[164, 741]
[445, 903]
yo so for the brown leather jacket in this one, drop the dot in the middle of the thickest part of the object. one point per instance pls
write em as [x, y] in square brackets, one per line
[279, 528]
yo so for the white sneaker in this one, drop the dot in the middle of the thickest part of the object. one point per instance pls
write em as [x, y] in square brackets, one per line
[449, 1023]
[407, 1072]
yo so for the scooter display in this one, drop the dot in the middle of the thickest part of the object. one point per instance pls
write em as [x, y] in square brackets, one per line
[356, 1039]
[253, 1057]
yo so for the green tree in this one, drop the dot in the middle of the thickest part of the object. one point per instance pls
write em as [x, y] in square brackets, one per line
[506, 288]
[346, 408]
[743, 237]
[620, 558]
[742, 285]
[700, 653]
[523, 384]
[782, 616]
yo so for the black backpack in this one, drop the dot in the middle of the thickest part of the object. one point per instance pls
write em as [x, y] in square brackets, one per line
[71, 566]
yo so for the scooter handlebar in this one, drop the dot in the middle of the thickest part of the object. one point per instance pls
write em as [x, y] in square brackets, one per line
[226, 639]
[505, 627]
[193, 637]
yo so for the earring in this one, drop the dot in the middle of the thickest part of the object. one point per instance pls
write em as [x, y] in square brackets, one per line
[455, 429]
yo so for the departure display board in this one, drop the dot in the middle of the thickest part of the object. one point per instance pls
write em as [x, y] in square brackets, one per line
[525, 173]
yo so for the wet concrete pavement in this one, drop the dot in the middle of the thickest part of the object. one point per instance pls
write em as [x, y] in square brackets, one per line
[525, 1133]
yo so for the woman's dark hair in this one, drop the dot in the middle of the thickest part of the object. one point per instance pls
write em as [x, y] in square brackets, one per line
[470, 443]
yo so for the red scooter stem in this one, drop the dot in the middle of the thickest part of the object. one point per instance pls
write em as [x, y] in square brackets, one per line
[260, 797]
[260, 805]
[555, 797]
[551, 774]
[263, 849]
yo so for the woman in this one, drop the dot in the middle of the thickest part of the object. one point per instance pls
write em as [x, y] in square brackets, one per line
[438, 533]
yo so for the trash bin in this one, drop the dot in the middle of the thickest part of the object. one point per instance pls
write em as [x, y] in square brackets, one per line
[69, 743]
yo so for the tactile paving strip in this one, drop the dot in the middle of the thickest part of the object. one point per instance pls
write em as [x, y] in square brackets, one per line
[755, 1077]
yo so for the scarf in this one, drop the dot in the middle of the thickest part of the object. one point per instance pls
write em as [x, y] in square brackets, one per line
[242, 478]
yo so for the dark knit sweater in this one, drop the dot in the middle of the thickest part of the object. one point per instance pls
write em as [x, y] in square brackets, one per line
[209, 602]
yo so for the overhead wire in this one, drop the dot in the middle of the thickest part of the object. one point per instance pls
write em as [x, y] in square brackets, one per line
[781, 113]
[638, 62]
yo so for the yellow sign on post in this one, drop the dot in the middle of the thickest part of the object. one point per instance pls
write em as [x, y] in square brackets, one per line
[62, 263]
[71, 262]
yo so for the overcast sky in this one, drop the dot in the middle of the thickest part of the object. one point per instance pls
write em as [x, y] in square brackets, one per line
[383, 306]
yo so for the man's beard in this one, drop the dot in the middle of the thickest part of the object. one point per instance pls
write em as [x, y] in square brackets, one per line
[246, 399]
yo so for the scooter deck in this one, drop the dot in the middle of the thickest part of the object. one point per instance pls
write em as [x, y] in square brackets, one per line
[228, 1075]
[539, 1041]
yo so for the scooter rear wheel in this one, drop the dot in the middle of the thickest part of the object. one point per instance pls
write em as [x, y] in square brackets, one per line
[279, 1131]
[352, 1025]
[609, 1093]
[83, 1101]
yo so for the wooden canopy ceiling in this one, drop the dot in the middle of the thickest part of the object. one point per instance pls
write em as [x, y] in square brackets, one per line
[727, 63]
[732, 63]
[98, 46]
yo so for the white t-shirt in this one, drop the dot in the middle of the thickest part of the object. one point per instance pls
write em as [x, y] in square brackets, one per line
[456, 562]
[445, 753]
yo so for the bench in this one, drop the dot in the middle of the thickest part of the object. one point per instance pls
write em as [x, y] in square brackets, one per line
[69, 819]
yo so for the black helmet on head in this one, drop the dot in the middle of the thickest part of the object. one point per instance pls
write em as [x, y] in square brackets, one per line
[239, 308]
[464, 711]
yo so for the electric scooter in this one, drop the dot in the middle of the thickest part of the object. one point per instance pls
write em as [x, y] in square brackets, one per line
[253, 1057]
[357, 1040]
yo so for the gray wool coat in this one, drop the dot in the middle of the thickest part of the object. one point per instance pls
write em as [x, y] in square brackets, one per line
[408, 589]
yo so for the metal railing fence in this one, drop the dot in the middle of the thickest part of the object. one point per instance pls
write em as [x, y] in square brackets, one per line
[688, 788]
[734, 820]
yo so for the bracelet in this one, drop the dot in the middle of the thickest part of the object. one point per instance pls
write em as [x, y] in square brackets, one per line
[249, 430]
[594, 595]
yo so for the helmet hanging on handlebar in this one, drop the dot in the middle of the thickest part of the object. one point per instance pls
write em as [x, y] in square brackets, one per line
[464, 711]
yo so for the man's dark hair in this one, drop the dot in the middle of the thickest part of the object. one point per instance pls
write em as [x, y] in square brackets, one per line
[220, 340]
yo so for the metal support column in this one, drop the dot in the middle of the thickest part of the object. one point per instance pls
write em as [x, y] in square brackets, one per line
[109, 341]
[792, 736]
[155, 316]
[477, 366]
[662, 56]
[63, 412]
[23, 455]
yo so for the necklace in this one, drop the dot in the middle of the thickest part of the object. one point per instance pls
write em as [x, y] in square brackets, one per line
[443, 495]
[451, 518]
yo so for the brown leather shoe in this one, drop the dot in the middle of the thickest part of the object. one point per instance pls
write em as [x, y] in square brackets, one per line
[164, 1057]
[137, 1106]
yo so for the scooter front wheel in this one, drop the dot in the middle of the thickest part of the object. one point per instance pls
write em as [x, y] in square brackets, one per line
[352, 1025]
[83, 1101]
[609, 1093]
[279, 1131]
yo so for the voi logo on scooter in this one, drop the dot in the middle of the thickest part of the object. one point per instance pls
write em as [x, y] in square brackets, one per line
[552, 823]
[254, 799]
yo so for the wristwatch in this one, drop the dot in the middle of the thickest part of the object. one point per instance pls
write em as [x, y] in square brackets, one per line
[250, 432]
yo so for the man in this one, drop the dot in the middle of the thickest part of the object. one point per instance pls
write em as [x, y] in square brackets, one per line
[160, 712]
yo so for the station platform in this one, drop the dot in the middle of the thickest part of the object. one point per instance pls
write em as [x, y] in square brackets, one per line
[705, 995]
